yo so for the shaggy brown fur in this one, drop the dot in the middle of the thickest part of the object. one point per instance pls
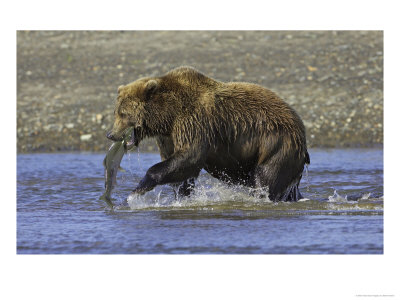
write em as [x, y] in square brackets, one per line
[241, 133]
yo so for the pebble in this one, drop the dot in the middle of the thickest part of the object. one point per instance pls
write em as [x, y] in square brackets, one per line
[312, 69]
[99, 118]
[323, 78]
[361, 73]
[50, 127]
[86, 137]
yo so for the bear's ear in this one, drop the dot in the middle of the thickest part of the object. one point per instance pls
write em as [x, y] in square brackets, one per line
[120, 88]
[149, 88]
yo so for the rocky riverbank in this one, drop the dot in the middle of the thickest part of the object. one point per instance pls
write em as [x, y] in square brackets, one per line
[67, 80]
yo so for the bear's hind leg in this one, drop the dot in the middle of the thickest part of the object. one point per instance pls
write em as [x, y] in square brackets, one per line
[282, 179]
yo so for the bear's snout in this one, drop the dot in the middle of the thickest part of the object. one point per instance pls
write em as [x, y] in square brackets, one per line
[112, 137]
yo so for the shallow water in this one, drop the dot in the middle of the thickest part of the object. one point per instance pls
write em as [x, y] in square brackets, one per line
[58, 210]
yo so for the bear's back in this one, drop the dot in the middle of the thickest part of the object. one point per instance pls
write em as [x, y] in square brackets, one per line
[225, 102]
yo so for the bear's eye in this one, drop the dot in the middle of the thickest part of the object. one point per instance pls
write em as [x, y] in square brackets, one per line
[122, 115]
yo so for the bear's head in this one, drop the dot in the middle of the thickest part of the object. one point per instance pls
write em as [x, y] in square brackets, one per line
[147, 106]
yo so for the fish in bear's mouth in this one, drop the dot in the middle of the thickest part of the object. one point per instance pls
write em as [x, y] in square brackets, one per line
[131, 137]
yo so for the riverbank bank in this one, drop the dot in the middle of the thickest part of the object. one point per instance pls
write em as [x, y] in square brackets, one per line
[67, 80]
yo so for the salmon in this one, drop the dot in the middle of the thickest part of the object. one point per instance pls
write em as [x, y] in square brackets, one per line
[112, 163]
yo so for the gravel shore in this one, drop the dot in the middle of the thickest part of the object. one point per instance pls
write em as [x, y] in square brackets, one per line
[67, 80]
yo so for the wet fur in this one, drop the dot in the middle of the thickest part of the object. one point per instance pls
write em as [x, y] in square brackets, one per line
[241, 133]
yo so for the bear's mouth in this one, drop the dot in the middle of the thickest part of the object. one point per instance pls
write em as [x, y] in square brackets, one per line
[134, 139]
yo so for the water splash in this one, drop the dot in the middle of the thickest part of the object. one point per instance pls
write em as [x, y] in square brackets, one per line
[209, 193]
[212, 194]
[307, 179]
[365, 196]
[337, 198]
[139, 161]
[352, 198]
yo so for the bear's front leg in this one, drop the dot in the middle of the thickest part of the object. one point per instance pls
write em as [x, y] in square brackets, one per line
[179, 167]
[145, 185]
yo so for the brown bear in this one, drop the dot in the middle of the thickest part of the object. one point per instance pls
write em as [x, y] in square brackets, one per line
[240, 133]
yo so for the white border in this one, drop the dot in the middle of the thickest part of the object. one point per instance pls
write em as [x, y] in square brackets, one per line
[204, 276]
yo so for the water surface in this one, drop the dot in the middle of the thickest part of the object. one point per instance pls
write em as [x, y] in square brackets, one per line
[58, 210]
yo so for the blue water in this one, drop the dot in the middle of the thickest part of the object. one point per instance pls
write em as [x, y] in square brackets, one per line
[58, 210]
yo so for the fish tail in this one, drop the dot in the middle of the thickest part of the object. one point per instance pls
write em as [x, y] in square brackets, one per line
[107, 199]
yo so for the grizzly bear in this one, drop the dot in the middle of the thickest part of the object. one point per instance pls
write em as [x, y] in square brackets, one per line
[240, 133]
